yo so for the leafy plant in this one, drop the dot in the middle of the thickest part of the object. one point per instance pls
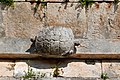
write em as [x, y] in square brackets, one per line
[29, 74]
[104, 76]
[42, 75]
[7, 2]
[115, 4]
[42, 4]
[116, 1]
[35, 75]
[56, 72]
[86, 3]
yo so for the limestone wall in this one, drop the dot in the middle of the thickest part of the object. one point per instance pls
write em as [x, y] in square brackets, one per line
[96, 28]
[93, 26]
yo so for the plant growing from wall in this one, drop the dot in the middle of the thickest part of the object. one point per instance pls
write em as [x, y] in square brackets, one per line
[104, 76]
[39, 4]
[86, 3]
[29, 74]
[8, 3]
[115, 4]
[56, 72]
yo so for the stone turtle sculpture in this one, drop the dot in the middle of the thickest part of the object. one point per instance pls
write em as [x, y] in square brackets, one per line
[55, 41]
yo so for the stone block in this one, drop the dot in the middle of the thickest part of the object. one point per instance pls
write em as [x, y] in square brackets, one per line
[55, 0]
[19, 0]
[99, 45]
[74, 0]
[42, 68]
[71, 68]
[112, 69]
[81, 69]
[59, 14]
[8, 44]
[8, 78]
[57, 78]
[20, 68]
[6, 68]
[108, 0]
[21, 21]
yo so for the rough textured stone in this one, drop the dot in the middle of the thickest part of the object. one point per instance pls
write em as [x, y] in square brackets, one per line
[41, 67]
[99, 45]
[55, 40]
[2, 29]
[81, 69]
[6, 68]
[98, 21]
[67, 68]
[112, 69]
[9, 78]
[20, 22]
[58, 78]
[99, 25]
[14, 44]
[20, 68]
[68, 15]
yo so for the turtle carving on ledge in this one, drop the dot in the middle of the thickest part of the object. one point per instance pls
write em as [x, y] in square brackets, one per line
[55, 41]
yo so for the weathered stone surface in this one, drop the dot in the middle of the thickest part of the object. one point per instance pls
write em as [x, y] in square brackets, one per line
[97, 22]
[99, 25]
[67, 68]
[55, 40]
[68, 15]
[41, 68]
[99, 45]
[14, 44]
[20, 22]
[9, 78]
[2, 29]
[114, 22]
[97, 17]
[6, 68]
[112, 69]
[58, 78]
[81, 69]
[20, 68]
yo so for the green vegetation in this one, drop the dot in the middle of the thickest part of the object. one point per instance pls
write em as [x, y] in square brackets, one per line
[116, 1]
[7, 2]
[29, 74]
[56, 72]
[86, 3]
[115, 4]
[42, 4]
[104, 76]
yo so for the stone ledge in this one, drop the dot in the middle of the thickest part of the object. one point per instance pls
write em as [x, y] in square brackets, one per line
[81, 55]
[61, 0]
[74, 78]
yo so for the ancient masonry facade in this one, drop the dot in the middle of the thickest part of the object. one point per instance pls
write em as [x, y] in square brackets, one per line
[97, 28]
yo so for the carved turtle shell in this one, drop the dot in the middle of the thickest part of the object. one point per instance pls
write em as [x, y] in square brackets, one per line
[55, 41]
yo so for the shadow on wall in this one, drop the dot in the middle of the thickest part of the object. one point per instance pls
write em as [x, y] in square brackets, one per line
[32, 48]
[49, 63]
[46, 63]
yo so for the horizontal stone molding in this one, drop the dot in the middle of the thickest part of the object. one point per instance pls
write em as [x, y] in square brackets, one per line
[57, 1]
[81, 56]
